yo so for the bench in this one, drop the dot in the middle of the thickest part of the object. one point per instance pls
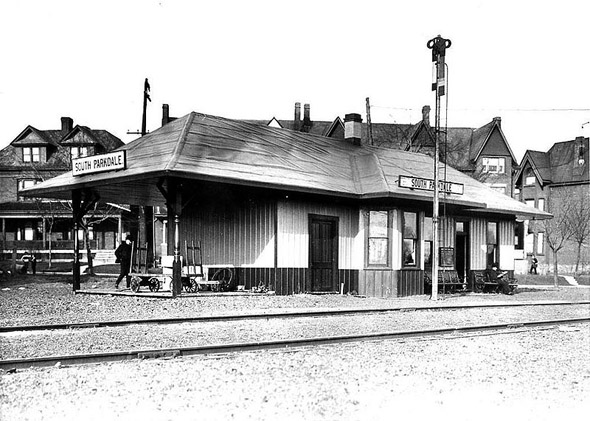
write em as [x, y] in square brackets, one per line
[448, 281]
[481, 282]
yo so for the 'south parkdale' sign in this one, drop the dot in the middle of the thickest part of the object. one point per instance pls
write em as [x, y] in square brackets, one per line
[428, 184]
[98, 163]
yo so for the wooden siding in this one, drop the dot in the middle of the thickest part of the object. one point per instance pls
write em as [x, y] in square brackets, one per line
[477, 243]
[410, 282]
[230, 235]
[506, 244]
[378, 283]
[391, 283]
[293, 234]
[446, 232]
[286, 281]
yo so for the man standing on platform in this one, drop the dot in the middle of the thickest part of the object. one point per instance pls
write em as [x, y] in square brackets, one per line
[123, 255]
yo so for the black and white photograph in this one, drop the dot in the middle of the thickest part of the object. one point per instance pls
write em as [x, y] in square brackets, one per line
[308, 210]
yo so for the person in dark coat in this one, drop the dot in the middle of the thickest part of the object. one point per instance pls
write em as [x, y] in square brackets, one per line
[33, 261]
[497, 276]
[123, 255]
[534, 263]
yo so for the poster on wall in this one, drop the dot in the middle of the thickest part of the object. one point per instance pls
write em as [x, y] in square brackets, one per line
[447, 257]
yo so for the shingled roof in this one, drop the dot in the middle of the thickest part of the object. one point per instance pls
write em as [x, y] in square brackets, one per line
[560, 164]
[215, 149]
[418, 137]
[54, 140]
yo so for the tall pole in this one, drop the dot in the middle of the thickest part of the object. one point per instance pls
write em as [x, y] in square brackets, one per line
[146, 98]
[77, 216]
[438, 46]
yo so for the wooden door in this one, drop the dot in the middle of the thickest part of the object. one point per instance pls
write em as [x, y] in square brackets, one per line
[323, 253]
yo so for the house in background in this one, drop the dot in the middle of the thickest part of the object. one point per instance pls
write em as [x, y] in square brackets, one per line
[546, 181]
[36, 155]
[482, 153]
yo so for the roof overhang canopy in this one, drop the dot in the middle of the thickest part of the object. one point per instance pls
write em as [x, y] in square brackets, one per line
[213, 149]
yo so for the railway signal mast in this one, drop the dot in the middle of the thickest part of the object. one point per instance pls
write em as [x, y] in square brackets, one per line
[438, 45]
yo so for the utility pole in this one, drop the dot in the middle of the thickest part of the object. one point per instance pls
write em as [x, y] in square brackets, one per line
[146, 98]
[142, 211]
[438, 45]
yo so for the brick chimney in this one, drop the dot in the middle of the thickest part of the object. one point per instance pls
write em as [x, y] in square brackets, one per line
[297, 120]
[306, 118]
[67, 124]
[352, 128]
[165, 114]
[426, 115]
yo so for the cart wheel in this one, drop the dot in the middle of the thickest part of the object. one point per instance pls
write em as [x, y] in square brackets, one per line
[192, 285]
[154, 284]
[135, 281]
[224, 276]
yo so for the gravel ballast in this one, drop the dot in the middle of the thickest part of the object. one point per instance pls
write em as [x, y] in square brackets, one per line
[538, 374]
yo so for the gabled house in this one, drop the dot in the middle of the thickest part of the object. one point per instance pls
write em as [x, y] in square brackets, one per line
[545, 181]
[482, 153]
[37, 155]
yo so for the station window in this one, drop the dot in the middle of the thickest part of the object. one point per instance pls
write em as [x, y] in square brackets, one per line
[378, 238]
[492, 243]
[541, 204]
[31, 154]
[410, 239]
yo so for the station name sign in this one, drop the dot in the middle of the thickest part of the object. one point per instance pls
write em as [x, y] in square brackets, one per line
[99, 163]
[428, 184]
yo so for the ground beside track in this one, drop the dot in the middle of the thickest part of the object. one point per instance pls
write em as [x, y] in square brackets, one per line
[48, 299]
[536, 375]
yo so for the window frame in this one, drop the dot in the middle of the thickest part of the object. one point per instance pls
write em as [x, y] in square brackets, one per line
[529, 177]
[20, 185]
[387, 238]
[496, 162]
[415, 240]
[495, 249]
[31, 154]
[78, 151]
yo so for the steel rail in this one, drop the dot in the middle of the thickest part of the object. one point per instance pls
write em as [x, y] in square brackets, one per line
[117, 356]
[281, 315]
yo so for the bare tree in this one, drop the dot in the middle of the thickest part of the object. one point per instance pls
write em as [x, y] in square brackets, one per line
[558, 229]
[578, 216]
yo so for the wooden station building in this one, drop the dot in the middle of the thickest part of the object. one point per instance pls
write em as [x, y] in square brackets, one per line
[301, 212]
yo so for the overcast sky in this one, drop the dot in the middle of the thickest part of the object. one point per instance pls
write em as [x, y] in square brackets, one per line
[525, 61]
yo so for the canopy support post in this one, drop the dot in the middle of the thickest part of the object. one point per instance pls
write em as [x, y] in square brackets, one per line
[77, 216]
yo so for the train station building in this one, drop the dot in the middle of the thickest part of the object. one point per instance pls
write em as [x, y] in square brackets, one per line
[300, 212]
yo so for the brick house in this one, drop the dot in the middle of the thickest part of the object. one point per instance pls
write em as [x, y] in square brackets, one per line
[36, 155]
[544, 181]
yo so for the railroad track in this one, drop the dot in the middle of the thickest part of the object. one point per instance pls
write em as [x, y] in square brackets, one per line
[268, 316]
[66, 360]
